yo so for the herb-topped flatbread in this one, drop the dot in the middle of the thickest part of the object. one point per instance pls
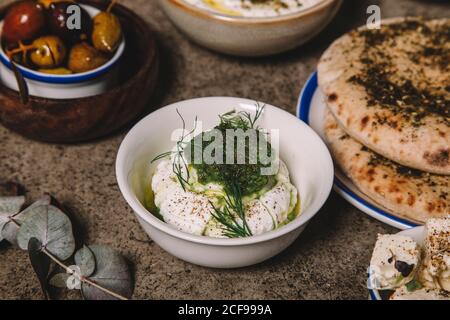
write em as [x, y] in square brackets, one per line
[390, 90]
[410, 193]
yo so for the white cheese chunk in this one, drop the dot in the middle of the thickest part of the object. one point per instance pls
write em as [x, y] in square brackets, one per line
[163, 176]
[436, 267]
[188, 212]
[280, 201]
[258, 218]
[394, 261]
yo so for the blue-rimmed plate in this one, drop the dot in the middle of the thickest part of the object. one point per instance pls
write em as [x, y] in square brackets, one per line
[417, 234]
[311, 109]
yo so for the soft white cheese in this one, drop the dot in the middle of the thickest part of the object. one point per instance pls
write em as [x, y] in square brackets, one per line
[187, 211]
[190, 210]
[258, 218]
[436, 267]
[162, 181]
[247, 8]
[420, 294]
[278, 201]
[283, 173]
[394, 261]
[214, 229]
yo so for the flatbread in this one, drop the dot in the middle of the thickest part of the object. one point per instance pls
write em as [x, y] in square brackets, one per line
[407, 192]
[390, 90]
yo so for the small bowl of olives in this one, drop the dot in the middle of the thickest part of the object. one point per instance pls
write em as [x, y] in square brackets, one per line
[63, 50]
[84, 119]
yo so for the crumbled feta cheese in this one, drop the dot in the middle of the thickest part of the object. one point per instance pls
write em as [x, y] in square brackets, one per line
[394, 261]
[436, 267]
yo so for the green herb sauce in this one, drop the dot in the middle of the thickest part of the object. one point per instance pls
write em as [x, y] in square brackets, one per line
[247, 176]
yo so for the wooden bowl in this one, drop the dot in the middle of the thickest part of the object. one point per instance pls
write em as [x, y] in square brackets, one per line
[76, 120]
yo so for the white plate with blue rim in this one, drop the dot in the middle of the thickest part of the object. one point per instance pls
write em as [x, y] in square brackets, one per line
[311, 109]
[417, 234]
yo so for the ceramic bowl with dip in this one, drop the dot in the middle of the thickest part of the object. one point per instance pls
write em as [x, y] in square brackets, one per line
[305, 155]
[245, 28]
[65, 86]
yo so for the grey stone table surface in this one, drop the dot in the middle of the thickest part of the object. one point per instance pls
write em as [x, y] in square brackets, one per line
[328, 261]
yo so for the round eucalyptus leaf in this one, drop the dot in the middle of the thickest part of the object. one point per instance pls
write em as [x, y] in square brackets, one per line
[40, 263]
[45, 200]
[111, 272]
[59, 280]
[10, 229]
[4, 219]
[84, 258]
[51, 227]
[11, 205]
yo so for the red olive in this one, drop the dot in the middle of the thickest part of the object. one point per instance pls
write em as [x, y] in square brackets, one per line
[24, 21]
[57, 17]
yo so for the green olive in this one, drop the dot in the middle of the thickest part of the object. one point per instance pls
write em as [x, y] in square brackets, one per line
[48, 52]
[57, 71]
[84, 57]
[47, 3]
[107, 32]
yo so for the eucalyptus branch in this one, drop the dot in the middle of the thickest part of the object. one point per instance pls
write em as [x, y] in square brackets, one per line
[59, 263]
[82, 278]
[11, 219]
[92, 283]
[43, 223]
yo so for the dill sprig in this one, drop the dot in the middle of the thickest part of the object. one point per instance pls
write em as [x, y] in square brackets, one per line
[231, 212]
[253, 119]
[241, 120]
[179, 162]
[231, 215]
[162, 156]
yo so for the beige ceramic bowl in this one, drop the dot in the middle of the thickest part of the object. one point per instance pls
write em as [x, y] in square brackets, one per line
[244, 36]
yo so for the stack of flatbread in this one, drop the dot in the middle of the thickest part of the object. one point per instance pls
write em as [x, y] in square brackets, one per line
[388, 119]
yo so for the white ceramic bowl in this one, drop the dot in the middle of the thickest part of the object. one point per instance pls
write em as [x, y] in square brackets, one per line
[72, 86]
[305, 154]
[244, 36]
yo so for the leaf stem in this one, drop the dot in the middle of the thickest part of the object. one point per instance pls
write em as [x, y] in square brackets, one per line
[59, 263]
[92, 283]
[111, 5]
[11, 219]
[84, 279]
